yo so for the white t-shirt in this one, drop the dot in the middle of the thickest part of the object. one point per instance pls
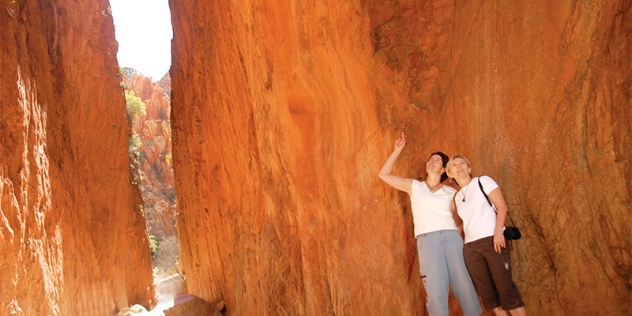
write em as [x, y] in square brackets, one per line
[431, 211]
[479, 218]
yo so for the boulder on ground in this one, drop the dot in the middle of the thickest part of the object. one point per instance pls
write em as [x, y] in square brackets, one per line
[191, 305]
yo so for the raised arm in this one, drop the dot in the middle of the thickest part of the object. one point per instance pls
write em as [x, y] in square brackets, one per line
[399, 183]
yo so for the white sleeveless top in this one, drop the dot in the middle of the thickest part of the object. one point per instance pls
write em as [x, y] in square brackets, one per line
[431, 210]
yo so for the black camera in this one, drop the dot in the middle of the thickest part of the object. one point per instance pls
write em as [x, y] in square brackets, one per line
[512, 233]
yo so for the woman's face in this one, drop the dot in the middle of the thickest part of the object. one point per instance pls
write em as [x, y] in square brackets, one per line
[435, 164]
[459, 169]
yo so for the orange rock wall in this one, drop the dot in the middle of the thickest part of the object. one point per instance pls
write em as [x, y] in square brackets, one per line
[283, 113]
[73, 240]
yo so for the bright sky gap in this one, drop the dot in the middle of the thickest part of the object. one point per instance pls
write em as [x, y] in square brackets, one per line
[143, 31]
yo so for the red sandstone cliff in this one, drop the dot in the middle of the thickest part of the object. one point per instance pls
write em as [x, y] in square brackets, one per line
[283, 113]
[72, 237]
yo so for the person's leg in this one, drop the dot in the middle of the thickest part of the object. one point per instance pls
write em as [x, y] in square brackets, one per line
[479, 271]
[499, 311]
[434, 273]
[520, 311]
[500, 268]
[460, 280]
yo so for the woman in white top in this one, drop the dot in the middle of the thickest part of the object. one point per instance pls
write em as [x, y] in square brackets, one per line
[486, 254]
[439, 242]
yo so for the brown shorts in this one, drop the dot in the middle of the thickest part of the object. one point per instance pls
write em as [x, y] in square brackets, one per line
[491, 274]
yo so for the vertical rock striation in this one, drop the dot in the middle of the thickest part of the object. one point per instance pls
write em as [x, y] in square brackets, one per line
[72, 236]
[283, 113]
[539, 96]
[276, 150]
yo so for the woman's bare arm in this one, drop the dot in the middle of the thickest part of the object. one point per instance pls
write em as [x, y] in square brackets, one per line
[399, 183]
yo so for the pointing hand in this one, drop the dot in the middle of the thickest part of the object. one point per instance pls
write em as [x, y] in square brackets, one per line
[400, 142]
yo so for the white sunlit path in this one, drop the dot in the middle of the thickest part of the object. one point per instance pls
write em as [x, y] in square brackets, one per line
[167, 287]
[144, 32]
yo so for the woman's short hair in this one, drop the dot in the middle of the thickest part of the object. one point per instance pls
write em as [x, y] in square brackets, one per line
[451, 162]
[444, 159]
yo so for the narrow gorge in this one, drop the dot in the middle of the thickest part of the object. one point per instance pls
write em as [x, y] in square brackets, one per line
[281, 115]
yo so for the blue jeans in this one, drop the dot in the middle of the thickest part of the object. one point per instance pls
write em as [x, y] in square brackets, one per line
[441, 264]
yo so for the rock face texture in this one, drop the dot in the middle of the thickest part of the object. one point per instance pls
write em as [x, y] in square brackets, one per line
[284, 111]
[72, 236]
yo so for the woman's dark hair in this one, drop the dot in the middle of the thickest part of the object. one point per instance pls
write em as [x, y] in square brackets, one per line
[444, 159]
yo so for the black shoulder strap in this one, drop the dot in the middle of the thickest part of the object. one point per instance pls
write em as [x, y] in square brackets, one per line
[490, 202]
[485, 194]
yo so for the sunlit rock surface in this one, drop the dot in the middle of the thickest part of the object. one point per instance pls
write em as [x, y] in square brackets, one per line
[72, 237]
[283, 113]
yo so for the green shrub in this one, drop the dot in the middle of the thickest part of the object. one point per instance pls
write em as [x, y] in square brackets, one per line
[133, 144]
[135, 106]
[153, 244]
